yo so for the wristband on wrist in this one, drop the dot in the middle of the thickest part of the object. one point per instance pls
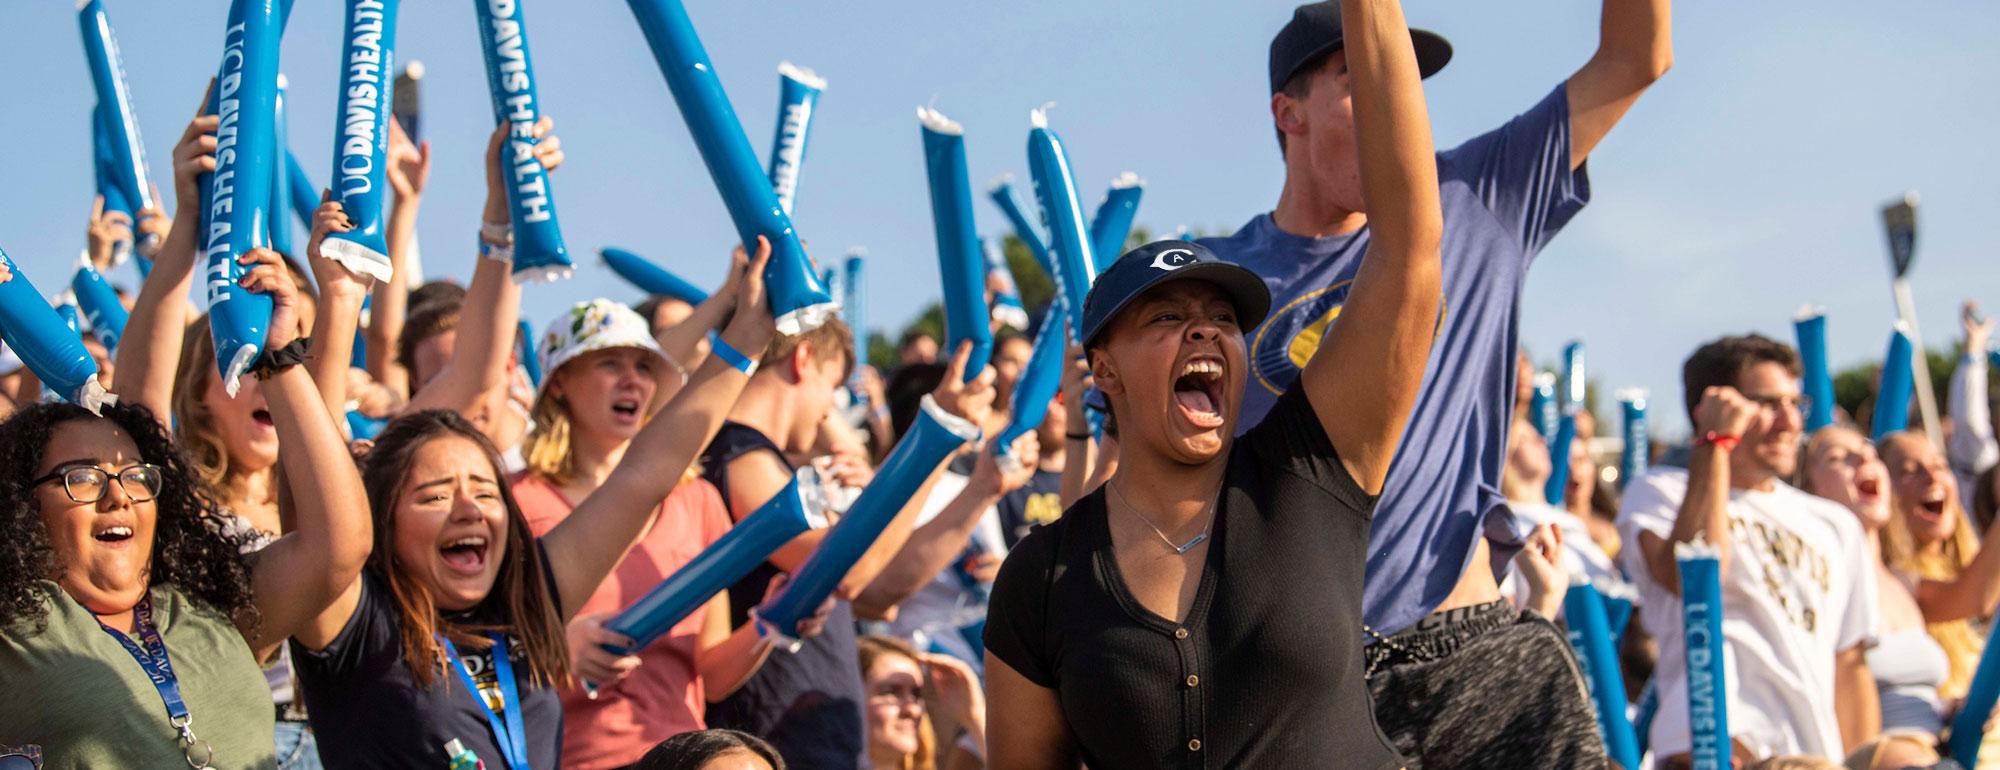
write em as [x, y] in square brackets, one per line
[1077, 436]
[729, 355]
[499, 252]
[497, 233]
[1722, 441]
[275, 361]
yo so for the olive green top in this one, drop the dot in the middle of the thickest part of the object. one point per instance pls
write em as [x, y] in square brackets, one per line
[74, 691]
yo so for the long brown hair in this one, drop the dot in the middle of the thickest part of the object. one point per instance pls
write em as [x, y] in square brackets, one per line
[521, 595]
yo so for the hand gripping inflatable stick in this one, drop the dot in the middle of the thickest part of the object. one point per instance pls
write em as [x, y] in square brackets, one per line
[1069, 240]
[960, 263]
[1638, 450]
[1892, 401]
[114, 98]
[539, 254]
[798, 302]
[361, 138]
[1707, 685]
[936, 435]
[239, 190]
[1002, 193]
[47, 344]
[650, 278]
[798, 99]
[797, 508]
[1810, 324]
[1040, 380]
[1007, 307]
[1113, 222]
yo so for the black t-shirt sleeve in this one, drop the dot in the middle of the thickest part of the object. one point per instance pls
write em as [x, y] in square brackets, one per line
[369, 631]
[1291, 440]
[1017, 615]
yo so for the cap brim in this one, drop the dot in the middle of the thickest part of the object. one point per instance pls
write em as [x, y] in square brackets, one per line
[1433, 52]
[1245, 290]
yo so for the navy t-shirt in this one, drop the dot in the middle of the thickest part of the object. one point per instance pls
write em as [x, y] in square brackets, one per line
[369, 713]
[1037, 502]
[808, 703]
[1504, 194]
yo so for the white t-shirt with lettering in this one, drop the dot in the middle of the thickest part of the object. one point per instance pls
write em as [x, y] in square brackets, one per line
[1796, 590]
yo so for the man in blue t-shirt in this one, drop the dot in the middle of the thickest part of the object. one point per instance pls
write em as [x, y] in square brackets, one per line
[1430, 586]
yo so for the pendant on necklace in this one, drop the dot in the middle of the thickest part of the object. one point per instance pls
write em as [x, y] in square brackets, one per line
[1183, 549]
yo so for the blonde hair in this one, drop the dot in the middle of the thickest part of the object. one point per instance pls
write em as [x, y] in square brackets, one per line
[546, 450]
[193, 423]
[1962, 644]
[874, 648]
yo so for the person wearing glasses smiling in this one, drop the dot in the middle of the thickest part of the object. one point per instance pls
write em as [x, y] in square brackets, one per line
[130, 626]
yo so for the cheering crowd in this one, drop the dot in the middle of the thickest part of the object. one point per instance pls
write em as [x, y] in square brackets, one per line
[1278, 498]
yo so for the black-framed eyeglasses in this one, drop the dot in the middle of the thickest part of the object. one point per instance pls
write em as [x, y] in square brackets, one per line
[87, 483]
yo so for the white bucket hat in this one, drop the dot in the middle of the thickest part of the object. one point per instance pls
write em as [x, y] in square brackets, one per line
[597, 324]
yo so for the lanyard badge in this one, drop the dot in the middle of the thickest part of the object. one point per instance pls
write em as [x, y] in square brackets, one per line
[508, 731]
[150, 651]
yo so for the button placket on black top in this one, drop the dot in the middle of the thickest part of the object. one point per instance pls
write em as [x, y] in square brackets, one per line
[1192, 722]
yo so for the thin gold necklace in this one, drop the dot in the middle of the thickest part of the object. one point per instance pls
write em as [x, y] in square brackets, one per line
[1179, 550]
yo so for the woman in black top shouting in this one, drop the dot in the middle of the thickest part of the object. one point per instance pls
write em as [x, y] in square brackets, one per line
[1204, 607]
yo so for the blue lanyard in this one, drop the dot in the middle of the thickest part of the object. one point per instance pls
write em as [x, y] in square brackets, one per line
[151, 653]
[509, 734]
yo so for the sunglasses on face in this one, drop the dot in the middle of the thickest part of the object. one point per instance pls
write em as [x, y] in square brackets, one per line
[88, 483]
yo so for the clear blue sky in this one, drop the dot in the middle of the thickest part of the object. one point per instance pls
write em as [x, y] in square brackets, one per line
[1744, 185]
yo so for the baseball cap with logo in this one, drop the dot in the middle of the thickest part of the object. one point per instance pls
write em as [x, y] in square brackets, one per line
[1314, 32]
[598, 324]
[1160, 262]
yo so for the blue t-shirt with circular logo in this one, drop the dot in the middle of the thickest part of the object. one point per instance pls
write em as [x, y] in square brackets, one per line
[1504, 193]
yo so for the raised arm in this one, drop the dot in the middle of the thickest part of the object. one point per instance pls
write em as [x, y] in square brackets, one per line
[1970, 445]
[340, 295]
[1976, 590]
[1635, 47]
[585, 546]
[686, 343]
[1363, 381]
[481, 361]
[1704, 512]
[296, 578]
[151, 348]
[409, 170]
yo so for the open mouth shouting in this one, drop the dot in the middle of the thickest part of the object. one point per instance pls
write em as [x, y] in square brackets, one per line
[1931, 507]
[626, 410]
[465, 555]
[1198, 391]
[113, 535]
[1867, 490]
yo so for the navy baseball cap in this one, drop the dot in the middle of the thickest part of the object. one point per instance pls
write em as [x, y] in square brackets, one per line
[1160, 262]
[1314, 32]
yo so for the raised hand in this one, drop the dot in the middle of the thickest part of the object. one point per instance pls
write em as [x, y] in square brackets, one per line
[267, 275]
[1540, 565]
[751, 328]
[970, 400]
[194, 155]
[409, 164]
[499, 157]
[107, 230]
[154, 226]
[333, 279]
[1978, 330]
[1724, 411]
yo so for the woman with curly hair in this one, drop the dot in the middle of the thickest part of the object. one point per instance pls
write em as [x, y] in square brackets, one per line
[126, 611]
[454, 632]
